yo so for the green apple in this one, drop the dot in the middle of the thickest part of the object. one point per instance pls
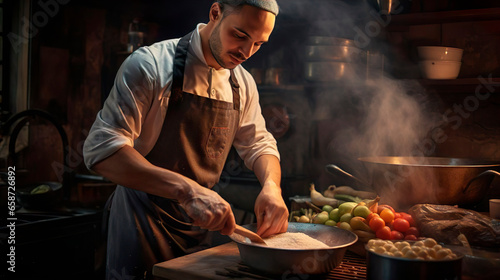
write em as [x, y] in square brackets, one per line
[361, 211]
[331, 223]
[334, 215]
[321, 218]
[346, 226]
[327, 208]
[346, 207]
[346, 217]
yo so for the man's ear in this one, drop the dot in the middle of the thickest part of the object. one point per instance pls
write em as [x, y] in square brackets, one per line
[215, 12]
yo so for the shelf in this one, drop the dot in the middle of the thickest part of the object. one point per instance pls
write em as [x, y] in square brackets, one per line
[464, 85]
[461, 82]
[444, 17]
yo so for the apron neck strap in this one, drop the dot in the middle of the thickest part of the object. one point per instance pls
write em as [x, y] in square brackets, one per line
[179, 66]
[236, 90]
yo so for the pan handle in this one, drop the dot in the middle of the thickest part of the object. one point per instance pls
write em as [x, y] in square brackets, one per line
[487, 172]
[335, 170]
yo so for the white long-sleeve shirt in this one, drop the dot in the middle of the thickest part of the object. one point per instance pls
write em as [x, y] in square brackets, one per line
[135, 109]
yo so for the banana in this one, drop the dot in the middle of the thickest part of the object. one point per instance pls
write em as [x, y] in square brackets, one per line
[319, 200]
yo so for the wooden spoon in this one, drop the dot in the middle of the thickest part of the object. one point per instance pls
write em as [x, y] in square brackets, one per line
[254, 237]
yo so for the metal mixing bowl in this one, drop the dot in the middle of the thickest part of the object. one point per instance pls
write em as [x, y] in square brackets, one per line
[293, 261]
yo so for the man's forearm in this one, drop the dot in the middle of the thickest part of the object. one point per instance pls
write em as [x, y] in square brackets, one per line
[128, 168]
[268, 170]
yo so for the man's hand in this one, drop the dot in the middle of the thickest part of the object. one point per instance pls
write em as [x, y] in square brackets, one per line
[271, 211]
[208, 210]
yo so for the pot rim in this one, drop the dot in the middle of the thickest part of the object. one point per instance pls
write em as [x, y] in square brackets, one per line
[459, 257]
[241, 241]
[422, 161]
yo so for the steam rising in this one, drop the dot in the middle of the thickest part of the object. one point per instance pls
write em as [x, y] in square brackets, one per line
[394, 124]
[383, 116]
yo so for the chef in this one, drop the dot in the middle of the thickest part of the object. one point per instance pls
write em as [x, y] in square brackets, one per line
[164, 133]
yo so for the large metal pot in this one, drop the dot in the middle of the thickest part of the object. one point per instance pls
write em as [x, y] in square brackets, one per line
[405, 181]
[289, 261]
[328, 59]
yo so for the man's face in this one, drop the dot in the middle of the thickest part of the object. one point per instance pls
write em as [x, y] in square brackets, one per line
[239, 35]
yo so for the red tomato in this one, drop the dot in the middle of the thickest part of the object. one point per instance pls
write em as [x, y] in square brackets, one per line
[410, 237]
[412, 231]
[409, 218]
[396, 235]
[384, 233]
[371, 215]
[390, 225]
[376, 223]
[397, 215]
[401, 225]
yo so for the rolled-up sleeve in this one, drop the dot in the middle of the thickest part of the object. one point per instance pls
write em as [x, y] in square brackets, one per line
[252, 139]
[120, 120]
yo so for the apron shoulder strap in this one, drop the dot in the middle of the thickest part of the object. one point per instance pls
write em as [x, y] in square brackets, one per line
[179, 66]
[236, 90]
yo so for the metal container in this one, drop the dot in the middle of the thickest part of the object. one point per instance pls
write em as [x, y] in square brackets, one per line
[291, 261]
[405, 181]
[332, 41]
[334, 53]
[393, 268]
[329, 59]
[329, 71]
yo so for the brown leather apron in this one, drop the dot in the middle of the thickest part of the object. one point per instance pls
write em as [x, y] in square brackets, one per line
[195, 140]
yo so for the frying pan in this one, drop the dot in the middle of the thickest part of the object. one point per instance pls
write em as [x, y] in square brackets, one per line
[406, 181]
[40, 201]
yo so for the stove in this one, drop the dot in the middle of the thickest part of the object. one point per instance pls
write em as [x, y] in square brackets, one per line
[353, 267]
[53, 245]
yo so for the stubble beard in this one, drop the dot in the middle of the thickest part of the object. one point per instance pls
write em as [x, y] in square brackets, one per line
[215, 45]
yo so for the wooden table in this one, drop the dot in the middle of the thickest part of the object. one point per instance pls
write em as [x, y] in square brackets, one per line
[200, 265]
[211, 263]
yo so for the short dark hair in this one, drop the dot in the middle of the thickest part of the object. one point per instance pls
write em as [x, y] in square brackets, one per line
[267, 5]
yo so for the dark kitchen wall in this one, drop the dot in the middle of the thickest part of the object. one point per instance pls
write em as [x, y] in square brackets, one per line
[77, 47]
[76, 52]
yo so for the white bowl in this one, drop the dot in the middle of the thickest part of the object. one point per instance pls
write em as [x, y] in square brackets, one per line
[440, 53]
[439, 69]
